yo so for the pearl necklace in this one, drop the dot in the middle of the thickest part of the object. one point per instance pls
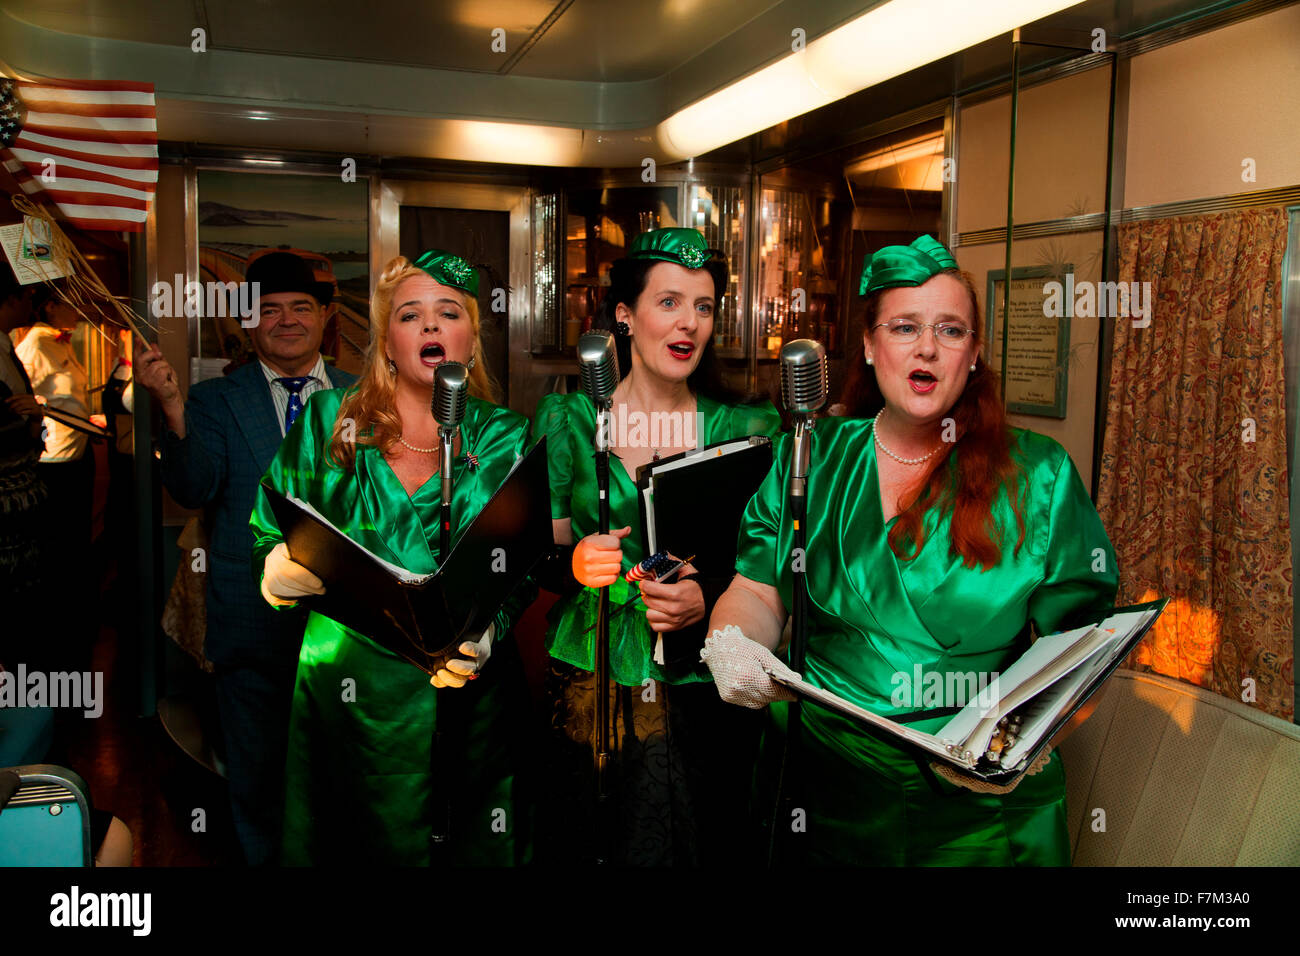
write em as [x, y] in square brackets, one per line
[425, 451]
[875, 431]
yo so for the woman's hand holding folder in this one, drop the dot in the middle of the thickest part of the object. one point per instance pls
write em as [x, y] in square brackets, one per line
[458, 673]
[284, 580]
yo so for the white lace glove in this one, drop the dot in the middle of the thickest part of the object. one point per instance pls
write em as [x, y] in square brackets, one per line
[458, 673]
[740, 669]
[284, 580]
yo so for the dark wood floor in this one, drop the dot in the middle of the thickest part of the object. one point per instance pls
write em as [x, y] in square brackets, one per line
[137, 772]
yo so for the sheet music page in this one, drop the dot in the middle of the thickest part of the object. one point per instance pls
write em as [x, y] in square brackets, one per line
[1042, 711]
[1048, 660]
[648, 493]
[1041, 653]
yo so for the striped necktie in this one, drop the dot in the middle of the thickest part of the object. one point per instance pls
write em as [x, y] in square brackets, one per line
[294, 387]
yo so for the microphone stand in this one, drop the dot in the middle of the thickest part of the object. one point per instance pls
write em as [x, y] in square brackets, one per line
[446, 443]
[790, 764]
[799, 458]
[598, 364]
[448, 716]
[803, 383]
[603, 838]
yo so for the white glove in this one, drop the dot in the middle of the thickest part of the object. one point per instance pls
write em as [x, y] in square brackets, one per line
[284, 580]
[458, 673]
[740, 669]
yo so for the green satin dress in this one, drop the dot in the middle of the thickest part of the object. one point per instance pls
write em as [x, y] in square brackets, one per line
[358, 779]
[569, 422]
[685, 759]
[874, 617]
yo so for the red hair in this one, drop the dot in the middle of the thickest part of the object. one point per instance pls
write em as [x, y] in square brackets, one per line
[965, 486]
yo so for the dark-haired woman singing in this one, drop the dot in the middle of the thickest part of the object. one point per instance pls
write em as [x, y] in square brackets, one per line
[684, 759]
[937, 536]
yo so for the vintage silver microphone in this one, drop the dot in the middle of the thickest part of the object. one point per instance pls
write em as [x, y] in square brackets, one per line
[598, 372]
[450, 393]
[804, 386]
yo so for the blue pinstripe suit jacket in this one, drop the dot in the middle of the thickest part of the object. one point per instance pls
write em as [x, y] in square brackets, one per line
[231, 436]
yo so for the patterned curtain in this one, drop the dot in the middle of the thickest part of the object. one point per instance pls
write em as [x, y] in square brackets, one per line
[1194, 469]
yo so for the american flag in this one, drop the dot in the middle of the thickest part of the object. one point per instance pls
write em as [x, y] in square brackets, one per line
[89, 146]
[650, 567]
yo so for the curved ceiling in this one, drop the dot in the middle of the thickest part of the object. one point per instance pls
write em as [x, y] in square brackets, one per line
[389, 78]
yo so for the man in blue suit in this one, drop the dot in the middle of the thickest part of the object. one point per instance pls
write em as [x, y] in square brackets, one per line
[215, 447]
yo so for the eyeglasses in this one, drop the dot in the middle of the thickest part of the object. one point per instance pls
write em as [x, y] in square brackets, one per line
[945, 333]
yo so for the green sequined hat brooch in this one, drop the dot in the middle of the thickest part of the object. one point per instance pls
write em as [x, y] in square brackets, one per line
[686, 247]
[450, 270]
[913, 264]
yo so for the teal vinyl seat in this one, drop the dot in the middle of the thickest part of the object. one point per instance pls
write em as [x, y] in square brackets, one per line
[44, 817]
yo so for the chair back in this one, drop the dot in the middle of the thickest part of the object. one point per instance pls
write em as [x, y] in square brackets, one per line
[46, 819]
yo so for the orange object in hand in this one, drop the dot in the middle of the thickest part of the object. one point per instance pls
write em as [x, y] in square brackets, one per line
[598, 558]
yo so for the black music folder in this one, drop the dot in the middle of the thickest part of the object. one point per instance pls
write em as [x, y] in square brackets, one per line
[75, 422]
[692, 503]
[1041, 691]
[423, 618]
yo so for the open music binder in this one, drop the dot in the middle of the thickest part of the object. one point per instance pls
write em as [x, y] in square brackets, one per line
[996, 736]
[423, 618]
[692, 503]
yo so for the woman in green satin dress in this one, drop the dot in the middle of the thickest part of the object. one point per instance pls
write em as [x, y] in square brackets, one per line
[684, 760]
[359, 782]
[937, 537]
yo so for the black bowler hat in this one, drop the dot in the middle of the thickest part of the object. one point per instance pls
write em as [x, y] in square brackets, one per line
[285, 272]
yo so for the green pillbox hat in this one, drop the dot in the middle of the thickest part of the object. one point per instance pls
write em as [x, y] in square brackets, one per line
[449, 269]
[913, 264]
[686, 247]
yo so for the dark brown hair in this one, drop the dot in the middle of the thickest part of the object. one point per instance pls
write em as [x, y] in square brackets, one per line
[627, 280]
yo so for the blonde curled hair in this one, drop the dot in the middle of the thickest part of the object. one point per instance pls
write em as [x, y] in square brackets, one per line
[370, 404]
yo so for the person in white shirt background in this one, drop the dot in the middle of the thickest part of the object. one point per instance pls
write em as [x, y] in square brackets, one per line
[67, 468]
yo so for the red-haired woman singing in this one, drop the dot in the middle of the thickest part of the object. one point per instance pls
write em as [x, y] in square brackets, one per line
[936, 537]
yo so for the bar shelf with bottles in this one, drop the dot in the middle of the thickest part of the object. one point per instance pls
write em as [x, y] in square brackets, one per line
[580, 231]
[797, 293]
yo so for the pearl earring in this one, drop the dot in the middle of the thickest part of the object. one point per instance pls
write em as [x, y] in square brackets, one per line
[972, 366]
[392, 367]
[870, 361]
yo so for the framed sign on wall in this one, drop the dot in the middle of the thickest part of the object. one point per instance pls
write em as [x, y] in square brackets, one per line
[1037, 340]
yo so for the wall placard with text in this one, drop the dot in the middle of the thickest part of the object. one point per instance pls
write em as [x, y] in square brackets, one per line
[1036, 380]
